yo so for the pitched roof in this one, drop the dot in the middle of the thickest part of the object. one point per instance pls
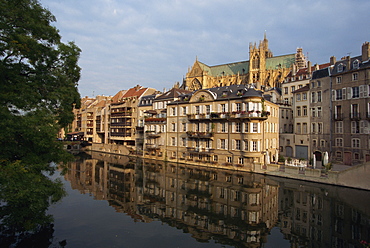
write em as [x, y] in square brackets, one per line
[172, 93]
[303, 89]
[135, 91]
[117, 97]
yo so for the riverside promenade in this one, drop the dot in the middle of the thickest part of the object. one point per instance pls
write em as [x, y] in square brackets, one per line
[341, 175]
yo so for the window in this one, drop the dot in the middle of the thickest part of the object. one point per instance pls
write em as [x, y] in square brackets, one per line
[355, 127]
[355, 92]
[238, 127]
[313, 112]
[339, 80]
[355, 76]
[238, 107]
[319, 127]
[322, 143]
[184, 142]
[184, 110]
[339, 95]
[319, 96]
[246, 146]
[173, 111]
[173, 125]
[313, 97]
[223, 144]
[292, 88]
[318, 111]
[304, 127]
[304, 110]
[254, 146]
[304, 96]
[339, 127]
[173, 141]
[238, 144]
[340, 67]
[246, 127]
[208, 109]
[197, 110]
[298, 97]
[298, 111]
[356, 143]
[339, 142]
[318, 83]
[312, 85]
[255, 127]
[313, 127]
[223, 127]
[298, 128]
[285, 90]
[223, 108]
[356, 64]
[240, 160]
[229, 160]
[286, 101]
[314, 143]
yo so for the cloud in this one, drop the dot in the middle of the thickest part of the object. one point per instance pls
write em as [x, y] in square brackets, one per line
[153, 43]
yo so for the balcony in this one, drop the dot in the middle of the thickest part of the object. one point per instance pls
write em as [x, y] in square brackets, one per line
[259, 115]
[199, 150]
[152, 147]
[200, 135]
[355, 116]
[155, 120]
[152, 134]
[338, 117]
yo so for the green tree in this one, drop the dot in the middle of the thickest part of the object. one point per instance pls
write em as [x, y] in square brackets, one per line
[38, 83]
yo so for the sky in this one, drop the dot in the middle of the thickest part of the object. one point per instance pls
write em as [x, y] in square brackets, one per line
[126, 43]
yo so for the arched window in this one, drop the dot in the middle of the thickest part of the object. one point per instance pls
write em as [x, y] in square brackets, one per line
[256, 62]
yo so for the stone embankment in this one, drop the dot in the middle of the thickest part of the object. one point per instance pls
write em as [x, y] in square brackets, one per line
[347, 176]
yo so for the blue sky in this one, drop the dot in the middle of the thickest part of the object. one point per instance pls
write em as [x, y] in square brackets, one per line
[153, 43]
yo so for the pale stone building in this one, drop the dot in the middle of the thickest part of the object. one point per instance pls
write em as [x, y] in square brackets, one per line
[263, 70]
[227, 126]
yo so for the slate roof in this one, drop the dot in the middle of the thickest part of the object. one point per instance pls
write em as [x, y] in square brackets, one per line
[284, 61]
[303, 89]
[321, 73]
[172, 93]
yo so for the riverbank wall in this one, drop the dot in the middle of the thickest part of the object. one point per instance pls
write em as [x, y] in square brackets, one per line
[351, 176]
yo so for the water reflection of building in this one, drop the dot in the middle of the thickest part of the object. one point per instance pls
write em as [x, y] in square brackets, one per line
[234, 208]
[322, 217]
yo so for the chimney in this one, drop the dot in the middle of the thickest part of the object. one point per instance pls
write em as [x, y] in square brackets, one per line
[309, 68]
[294, 69]
[333, 60]
[316, 67]
[365, 51]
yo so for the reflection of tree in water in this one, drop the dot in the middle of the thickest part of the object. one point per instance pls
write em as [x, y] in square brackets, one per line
[25, 197]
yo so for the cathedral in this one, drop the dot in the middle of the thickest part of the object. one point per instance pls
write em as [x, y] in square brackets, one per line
[263, 70]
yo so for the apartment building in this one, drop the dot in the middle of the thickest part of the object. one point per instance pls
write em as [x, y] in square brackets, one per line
[124, 115]
[154, 121]
[231, 126]
[350, 79]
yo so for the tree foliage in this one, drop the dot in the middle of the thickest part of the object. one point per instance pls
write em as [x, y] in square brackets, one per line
[38, 82]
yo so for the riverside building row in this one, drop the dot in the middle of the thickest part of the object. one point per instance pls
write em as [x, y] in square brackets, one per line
[304, 111]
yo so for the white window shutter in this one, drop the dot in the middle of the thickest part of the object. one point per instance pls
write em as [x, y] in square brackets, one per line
[258, 145]
[218, 143]
[226, 144]
[344, 93]
[233, 145]
[349, 92]
[334, 95]
[259, 127]
[361, 91]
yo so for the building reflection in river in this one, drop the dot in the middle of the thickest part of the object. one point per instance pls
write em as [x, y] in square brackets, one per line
[234, 208]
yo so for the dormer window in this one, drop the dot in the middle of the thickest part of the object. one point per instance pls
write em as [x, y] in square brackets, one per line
[340, 67]
[356, 64]
[239, 93]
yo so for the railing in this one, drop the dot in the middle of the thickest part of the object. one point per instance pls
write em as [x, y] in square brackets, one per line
[152, 119]
[151, 147]
[355, 116]
[199, 150]
[153, 134]
[230, 115]
[200, 134]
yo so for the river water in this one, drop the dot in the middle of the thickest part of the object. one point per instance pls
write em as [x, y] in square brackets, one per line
[117, 201]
